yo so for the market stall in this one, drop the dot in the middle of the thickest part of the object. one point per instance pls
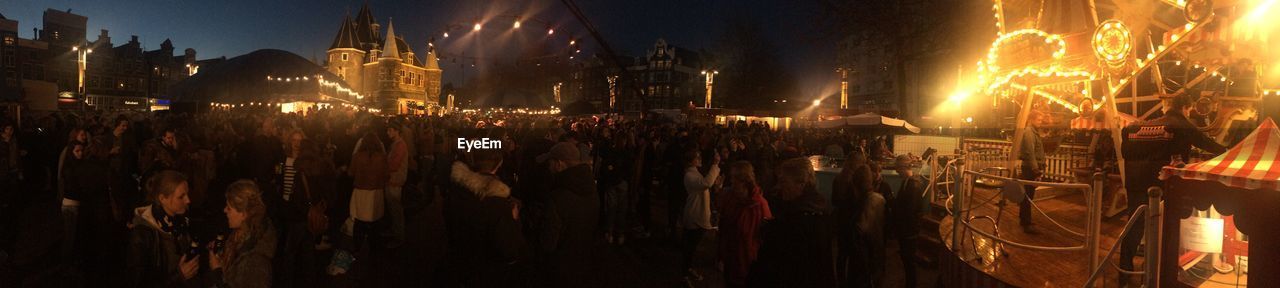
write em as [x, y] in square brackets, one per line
[1243, 186]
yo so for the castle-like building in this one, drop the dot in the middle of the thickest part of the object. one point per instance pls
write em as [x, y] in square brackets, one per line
[383, 68]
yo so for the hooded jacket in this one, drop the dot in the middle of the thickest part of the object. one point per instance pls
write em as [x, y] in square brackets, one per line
[481, 227]
[568, 234]
[154, 254]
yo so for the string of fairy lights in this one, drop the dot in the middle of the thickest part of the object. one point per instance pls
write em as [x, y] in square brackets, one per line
[319, 81]
[569, 53]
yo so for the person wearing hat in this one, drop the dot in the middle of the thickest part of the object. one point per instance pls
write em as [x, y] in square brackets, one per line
[567, 234]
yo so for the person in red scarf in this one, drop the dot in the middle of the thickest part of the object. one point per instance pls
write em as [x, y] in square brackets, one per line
[743, 210]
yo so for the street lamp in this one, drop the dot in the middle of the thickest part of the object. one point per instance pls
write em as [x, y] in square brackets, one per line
[556, 89]
[613, 93]
[844, 87]
[82, 61]
[711, 75]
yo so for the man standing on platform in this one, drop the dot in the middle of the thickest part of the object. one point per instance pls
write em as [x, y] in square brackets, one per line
[1149, 146]
[1033, 163]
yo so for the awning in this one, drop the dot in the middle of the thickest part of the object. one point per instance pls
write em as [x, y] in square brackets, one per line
[1249, 165]
[868, 120]
[1091, 123]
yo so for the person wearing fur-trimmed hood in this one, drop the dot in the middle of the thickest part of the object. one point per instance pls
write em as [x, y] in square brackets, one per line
[482, 223]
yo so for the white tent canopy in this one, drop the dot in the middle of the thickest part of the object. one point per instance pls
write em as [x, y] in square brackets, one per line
[868, 120]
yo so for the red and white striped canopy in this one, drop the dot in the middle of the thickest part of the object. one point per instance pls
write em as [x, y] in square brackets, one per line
[1249, 165]
[1091, 123]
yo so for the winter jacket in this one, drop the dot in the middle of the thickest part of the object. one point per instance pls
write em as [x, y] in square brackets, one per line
[798, 245]
[568, 234]
[252, 264]
[906, 206]
[154, 255]
[484, 232]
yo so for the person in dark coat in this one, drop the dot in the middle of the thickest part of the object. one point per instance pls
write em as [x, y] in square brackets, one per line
[488, 230]
[95, 234]
[568, 234]
[905, 215]
[846, 195]
[1148, 146]
[798, 244]
[159, 237]
[258, 158]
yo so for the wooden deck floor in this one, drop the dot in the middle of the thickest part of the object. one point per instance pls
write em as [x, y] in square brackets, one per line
[1034, 268]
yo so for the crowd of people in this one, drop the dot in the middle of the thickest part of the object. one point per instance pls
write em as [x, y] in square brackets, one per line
[262, 199]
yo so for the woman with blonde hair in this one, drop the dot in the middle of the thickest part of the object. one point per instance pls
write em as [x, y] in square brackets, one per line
[245, 260]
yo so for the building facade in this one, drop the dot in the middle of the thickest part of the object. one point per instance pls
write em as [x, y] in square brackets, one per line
[666, 77]
[670, 76]
[870, 75]
[384, 69]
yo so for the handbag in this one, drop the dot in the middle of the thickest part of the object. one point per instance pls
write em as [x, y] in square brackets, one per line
[317, 220]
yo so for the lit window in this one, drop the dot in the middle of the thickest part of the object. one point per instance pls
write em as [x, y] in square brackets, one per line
[8, 40]
[344, 56]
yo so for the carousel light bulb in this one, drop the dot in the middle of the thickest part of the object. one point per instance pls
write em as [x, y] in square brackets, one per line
[572, 41]
[446, 34]
[476, 27]
[551, 31]
[516, 25]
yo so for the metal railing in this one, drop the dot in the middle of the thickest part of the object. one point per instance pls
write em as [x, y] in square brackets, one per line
[986, 153]
[960, 212]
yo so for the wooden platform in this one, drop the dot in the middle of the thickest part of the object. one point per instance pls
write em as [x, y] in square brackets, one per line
[1019, 267]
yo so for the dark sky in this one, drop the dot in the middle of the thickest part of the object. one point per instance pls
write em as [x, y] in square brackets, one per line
[307, 27]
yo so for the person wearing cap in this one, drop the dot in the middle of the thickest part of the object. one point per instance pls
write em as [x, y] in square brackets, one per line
[567, 235]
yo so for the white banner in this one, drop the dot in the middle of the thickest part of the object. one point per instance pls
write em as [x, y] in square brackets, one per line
[1202, 234]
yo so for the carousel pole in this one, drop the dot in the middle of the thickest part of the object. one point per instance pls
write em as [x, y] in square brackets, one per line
[1021, 129]
[1113, 126]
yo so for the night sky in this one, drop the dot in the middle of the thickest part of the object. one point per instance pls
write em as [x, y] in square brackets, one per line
[307, 27]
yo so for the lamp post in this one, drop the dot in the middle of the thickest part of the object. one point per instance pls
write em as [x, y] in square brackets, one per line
[556, 89]
[613, 91]
[82, 60]
[844, 88]
[711, 76]
[449, 105]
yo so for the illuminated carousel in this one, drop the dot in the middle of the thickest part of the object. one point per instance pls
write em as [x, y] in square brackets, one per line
[1096, 67]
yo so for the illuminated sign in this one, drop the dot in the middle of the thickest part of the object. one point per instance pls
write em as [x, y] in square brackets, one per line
[66, 94]
[131, 103]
